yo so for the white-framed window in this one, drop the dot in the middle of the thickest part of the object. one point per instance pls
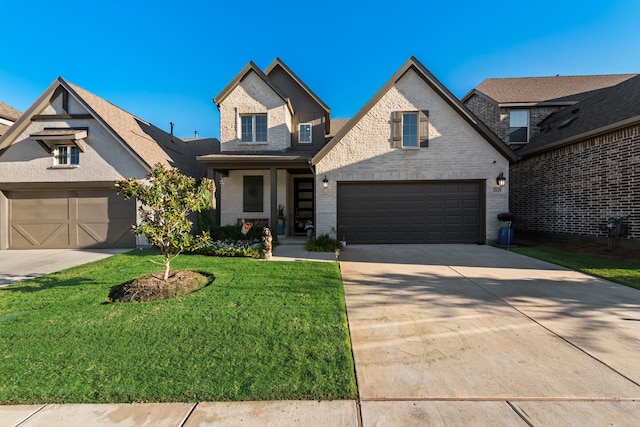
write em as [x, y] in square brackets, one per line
[66, 155]
[304, 133]
[519, 126]
[253, 128]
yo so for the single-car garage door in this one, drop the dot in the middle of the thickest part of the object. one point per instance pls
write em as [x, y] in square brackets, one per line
[70, 219]
[411, 212]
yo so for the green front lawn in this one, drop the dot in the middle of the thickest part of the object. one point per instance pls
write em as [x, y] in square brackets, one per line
[615, 270]
[260, 331]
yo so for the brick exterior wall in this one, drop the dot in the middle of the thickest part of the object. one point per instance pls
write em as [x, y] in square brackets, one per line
[497, 119]
[574, 188]
[456, 152]
[254, 96]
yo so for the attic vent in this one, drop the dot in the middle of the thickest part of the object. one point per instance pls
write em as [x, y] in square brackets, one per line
[575, 110]
[566, 122]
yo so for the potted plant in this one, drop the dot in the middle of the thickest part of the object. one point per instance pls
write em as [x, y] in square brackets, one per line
[505, 219]
[505, 234]
[282, 220]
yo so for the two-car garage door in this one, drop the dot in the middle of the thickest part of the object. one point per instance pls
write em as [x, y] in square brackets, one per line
[70, 219]
[411, 212]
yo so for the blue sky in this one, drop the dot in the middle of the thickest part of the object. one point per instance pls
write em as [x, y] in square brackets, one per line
[164, 61]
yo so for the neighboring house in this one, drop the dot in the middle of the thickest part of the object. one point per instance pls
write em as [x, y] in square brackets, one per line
[8, 116]
[59, 163]
[582, 168]
[413, 166]
[514, 107]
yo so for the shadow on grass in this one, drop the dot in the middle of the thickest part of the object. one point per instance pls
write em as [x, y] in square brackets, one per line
[47, 282]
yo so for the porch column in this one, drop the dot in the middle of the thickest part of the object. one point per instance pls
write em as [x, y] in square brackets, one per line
[216, 195]
[274, 201]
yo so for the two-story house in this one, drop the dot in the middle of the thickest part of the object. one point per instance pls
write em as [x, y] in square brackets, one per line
[577, 140]
[412, 166]
[513, 108]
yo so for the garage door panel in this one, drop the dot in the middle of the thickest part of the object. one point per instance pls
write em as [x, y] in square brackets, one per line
[70, 219]
[411, 212]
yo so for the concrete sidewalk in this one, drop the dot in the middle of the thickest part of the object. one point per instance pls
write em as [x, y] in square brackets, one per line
[444, 335]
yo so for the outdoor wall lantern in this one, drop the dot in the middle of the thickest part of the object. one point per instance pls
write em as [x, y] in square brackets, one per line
[501, 180]
[325, 182]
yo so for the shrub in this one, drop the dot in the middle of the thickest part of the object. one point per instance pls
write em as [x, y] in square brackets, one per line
[227, 248]
[323, 243]
[505, 216]
[233, 233]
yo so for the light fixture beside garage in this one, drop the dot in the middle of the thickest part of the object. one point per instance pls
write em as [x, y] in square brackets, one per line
[325, 182]
[501, 180]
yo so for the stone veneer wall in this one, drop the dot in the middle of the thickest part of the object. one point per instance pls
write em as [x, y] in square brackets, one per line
[572, 189]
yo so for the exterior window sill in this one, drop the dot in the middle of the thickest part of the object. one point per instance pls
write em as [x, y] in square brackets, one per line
[254, 143]
[410, 148]
[64, 167]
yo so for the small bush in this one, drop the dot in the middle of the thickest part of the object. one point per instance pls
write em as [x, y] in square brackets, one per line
[227, 248]
[323, 243]
[233, 233]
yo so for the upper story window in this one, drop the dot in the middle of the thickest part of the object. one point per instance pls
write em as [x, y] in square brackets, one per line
[66, 155]
[254, 128]
[519, 126]
[304, 133]
[410, 129]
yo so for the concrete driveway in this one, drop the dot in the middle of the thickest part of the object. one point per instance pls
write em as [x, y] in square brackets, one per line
[24, 264]
[475, 335]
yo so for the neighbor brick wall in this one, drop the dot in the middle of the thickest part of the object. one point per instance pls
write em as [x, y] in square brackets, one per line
[574, 188]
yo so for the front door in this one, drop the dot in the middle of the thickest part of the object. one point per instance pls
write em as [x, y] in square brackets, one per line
[302, 204]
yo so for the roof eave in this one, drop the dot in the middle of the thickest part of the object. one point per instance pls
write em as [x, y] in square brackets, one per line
[251, 66]
[437, 86]
[582, 136]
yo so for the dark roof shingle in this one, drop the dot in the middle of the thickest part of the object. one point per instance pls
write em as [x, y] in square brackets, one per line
[545, 89]
[608, 107]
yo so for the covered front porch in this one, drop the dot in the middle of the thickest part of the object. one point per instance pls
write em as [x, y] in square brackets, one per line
[263, 188]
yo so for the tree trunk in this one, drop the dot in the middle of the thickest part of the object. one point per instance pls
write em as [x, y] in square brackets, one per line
[167, 261]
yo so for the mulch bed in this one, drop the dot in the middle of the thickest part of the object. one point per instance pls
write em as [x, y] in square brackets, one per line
[153, 288]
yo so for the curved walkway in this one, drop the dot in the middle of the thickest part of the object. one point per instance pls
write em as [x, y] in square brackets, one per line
[445, 335]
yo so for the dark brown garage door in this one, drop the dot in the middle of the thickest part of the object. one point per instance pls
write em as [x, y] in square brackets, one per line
[411, 212]
[70, 219]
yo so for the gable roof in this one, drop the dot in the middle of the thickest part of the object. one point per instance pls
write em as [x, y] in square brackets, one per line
[251, 67]
[440, 89]
[147, 143]
[608, 109]
[279, 63]
[7, 112]
[535, 90]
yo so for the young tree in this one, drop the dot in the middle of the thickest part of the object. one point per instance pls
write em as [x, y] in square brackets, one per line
[166, 198]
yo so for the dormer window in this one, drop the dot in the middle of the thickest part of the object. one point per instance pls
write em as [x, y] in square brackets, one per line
[304, 133]
[66, 155]
[254, 128]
